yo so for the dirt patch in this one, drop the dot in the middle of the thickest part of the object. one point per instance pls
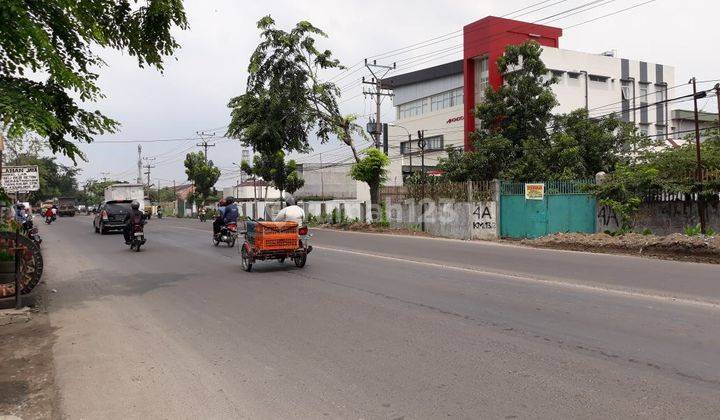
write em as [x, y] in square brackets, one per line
[673, 247]
[27, 388]
[372, 228]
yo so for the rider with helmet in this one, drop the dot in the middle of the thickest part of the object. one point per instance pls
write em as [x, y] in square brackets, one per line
[135, 217]
[218, 222]
[290, 213]
[231, 213]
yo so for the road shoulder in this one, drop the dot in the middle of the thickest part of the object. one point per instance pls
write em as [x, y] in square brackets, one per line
[27, 385]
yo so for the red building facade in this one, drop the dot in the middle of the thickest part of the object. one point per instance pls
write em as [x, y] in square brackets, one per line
[487, 38]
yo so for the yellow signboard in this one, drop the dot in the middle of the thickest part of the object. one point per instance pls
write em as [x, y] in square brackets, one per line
[534, 191]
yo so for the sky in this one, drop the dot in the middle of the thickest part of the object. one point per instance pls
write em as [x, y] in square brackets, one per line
[192, 93]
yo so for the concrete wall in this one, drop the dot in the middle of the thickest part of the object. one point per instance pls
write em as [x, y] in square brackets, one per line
[332, 182]
[662, 218]
[451, 220]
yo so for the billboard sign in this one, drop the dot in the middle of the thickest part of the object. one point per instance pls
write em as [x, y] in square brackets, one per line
[20, 179]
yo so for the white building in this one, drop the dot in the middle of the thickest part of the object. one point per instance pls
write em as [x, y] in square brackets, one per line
[435, 99]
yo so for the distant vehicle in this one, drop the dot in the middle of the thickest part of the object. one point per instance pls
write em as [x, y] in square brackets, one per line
[121, 192]
[66, 206]
[112, 215]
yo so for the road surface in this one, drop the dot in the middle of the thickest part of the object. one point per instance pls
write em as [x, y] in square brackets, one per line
[376, 326]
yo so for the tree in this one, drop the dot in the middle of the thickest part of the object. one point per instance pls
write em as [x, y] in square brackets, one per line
[164, 195]
[56, 180]
[273, 168]
[203, 174]
[94, 190]
[372, 169]
[285, 98]
[48, 63]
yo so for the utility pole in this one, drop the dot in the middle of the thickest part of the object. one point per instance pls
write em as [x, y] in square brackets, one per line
[322, 181]
[139, 163]
[105, 174]
[698, 174]
[717, 95]
[204, 144]
[148, 166]
[379, 72]
[421, 145]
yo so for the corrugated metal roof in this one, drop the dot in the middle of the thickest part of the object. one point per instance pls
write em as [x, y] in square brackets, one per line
[443, 70]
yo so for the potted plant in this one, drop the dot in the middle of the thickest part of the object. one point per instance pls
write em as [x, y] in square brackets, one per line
[7, 266]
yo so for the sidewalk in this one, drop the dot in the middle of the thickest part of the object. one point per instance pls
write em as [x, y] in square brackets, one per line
[27, 386]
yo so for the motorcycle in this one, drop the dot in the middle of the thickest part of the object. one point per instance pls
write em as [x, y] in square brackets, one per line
[138, 237]
[159, 215]
[29, 230]
[202, 217]
[228, 234]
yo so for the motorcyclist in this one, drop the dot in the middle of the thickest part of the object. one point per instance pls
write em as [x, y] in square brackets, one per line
[20, 213]
[135, 217]
[231, 213]
[290, 213]
[159, 212]
[218, 222]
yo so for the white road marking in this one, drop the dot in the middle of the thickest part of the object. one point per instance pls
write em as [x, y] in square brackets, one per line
[528, 279]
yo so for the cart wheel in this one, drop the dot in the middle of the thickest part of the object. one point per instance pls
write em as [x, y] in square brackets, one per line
[246, 261]
[216, 241]
[300, 261]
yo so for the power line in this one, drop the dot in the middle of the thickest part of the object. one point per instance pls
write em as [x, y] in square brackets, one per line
[610, 14]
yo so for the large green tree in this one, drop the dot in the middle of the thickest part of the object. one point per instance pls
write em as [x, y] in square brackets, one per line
[286, 99]
[203, 173]
[48, 61]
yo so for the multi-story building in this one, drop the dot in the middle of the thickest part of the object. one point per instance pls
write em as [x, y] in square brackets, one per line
[440, 100]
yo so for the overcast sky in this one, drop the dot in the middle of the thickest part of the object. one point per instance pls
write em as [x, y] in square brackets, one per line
[210, 68]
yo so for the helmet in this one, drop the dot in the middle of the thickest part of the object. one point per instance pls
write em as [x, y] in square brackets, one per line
[135, 205]
[289, 200]
[221, 202]
[230, 200]
[19, 206]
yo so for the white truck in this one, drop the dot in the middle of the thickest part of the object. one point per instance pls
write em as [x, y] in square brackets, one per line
[119, 192]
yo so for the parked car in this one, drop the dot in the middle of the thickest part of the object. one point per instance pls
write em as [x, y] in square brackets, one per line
[112, 215]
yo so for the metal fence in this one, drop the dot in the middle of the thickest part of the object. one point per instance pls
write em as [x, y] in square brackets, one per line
[551, 187]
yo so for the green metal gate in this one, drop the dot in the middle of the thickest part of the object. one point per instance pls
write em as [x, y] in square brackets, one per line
[565, 207]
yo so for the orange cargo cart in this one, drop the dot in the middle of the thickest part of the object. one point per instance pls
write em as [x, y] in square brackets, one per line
[274, 241]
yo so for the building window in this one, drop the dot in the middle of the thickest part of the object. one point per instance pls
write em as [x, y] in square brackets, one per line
[660, 94]
[482, 78]
[626, 94]
[432, 144]
[446, 99]
[643, 93]
[573, 75]
[660, 132]
[643, 130]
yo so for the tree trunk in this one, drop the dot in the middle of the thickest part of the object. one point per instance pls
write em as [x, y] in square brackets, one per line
[374, 202]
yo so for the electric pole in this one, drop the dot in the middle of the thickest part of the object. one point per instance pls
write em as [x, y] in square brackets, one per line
[698, 173]
[717, 95]
[379, 72]
[148, 166]
[204, 144]
[105, 175]
[139, 163]
[421, 144]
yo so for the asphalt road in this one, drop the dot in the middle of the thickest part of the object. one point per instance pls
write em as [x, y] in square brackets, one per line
[376, 326]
